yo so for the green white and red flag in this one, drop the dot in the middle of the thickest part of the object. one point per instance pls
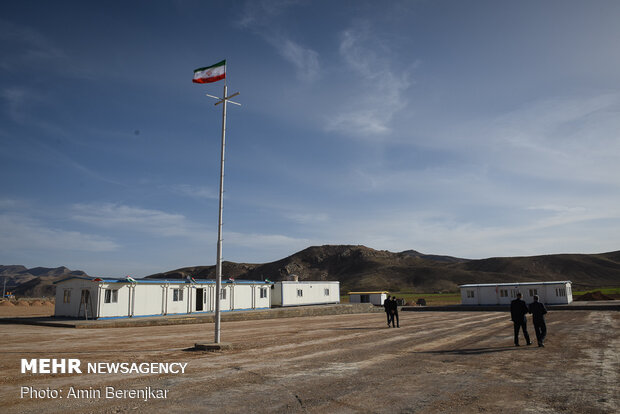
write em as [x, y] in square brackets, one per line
[210, 74]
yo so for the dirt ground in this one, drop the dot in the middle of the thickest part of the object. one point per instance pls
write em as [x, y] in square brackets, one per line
[437, 362]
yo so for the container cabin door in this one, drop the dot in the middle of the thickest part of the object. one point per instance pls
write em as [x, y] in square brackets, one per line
[86, 306]
[199, 299]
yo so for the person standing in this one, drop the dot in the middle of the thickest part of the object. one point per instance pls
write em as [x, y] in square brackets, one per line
[518, 312]
[394, 312]
[393, 307]
[538, 312]
[387, 306]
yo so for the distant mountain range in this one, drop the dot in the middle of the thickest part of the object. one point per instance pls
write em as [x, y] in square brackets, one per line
[362, 268]
[35, 282]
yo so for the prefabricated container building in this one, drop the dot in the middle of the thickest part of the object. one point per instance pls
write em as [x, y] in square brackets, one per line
[376, 298]
[552, 293]
[295, 293]
[102, 298]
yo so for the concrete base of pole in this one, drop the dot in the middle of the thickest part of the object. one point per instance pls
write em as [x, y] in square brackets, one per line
[212, 346]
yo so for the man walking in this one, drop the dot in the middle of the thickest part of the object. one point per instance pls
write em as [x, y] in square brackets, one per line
[538, 312]
[395, 312]
[518, 310]
[387, 306]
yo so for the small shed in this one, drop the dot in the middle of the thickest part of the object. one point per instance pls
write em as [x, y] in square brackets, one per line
[376, 298]
[104, 298]
[552, 293]
[295, 293]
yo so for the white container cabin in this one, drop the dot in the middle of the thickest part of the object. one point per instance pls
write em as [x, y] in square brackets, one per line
[295, 293]
[82, 297]
[376, 298]
[551, 293]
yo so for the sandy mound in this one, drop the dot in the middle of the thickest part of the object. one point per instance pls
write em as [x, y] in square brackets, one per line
[6, 303]
[590, 296]
[48, 303]
[36, 303]
[22, 303]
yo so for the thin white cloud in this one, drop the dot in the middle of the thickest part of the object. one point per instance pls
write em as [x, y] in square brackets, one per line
[28, 46]
[261, 18]
[268, 241]
[377, 91]
[115, 216]
[261, 247]
[307, 218]
[194, 191]
[15, 99]
[19, 232]
[444, 232]
[558, 208]
[305, 60]
[258, 13]
[569, 139]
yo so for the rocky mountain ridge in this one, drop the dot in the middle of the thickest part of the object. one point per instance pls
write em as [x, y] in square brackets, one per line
[360, 267]
[363, 268]
[34, 282]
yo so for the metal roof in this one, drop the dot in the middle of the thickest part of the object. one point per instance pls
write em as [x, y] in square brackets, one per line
[515, 284]
[285, 282]
[160, 281]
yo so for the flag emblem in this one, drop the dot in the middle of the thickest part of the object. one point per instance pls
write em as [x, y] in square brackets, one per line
[210, 74]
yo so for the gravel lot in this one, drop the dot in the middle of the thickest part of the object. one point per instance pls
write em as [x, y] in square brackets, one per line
[437, 362]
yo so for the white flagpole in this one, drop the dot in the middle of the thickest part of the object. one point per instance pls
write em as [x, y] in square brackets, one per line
[218, 266]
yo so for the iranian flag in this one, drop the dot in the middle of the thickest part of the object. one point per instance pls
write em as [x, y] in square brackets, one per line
[211, 73]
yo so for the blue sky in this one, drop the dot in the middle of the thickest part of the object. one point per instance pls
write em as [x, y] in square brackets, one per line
[467, 128]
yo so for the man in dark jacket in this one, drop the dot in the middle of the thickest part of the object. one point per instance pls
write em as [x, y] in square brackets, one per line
[387, 306]
[538, 312]
[394, 312]
[518, 310]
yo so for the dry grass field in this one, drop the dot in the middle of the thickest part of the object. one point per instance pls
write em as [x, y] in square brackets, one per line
[437, 362]
[26, 307]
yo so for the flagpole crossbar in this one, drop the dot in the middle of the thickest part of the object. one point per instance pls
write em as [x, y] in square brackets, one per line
[224, 99]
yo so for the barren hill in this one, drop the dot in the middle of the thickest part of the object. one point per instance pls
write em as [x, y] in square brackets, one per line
[359, 267]
[34, 282]
[363, 268]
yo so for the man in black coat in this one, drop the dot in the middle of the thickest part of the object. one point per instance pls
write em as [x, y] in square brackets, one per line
[394, 312]
[518, 310]
[387, 306]
[538, 312]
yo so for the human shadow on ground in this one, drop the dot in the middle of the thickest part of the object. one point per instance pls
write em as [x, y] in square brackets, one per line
[473, 351]
[368, 328]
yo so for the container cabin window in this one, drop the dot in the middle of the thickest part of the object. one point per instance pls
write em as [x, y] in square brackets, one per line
[223, 294]
[503, 293]
[300, 293]
[560, 292]
[111, 296]
[263, 292]
[470, 293]
[177, 295]
[326, 292]
[66, 296]
[533, 292]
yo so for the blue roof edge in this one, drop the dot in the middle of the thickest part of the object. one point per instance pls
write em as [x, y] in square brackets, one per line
[515, 284]
[160, 281]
